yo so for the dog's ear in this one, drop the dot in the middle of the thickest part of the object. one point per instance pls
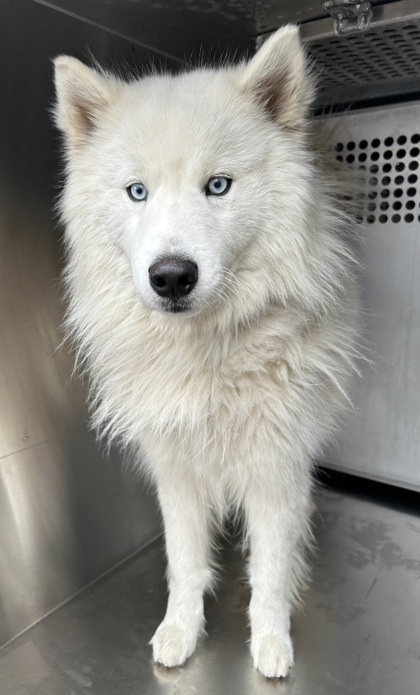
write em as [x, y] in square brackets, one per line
[82, 95]
[279, 78]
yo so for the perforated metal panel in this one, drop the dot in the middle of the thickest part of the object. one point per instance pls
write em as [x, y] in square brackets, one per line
[389, 168]
[378, 55]
[382, 435]
[381, 61]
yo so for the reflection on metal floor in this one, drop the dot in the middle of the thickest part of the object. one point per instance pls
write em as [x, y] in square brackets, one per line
[359, 632]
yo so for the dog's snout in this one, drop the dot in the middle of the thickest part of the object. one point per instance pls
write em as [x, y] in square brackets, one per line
[173, 277]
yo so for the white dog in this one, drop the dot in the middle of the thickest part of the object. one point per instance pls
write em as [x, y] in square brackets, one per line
[212, 300]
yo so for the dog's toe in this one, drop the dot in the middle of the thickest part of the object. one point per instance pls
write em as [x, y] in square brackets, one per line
[272, 655]
[172, 646]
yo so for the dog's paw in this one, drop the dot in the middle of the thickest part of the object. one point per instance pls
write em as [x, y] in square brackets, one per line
[272, 655]
[172, 645]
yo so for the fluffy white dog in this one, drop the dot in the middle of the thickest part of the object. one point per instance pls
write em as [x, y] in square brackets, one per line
[213, 302]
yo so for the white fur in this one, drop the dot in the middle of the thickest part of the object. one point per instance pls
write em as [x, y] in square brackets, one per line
[229, 402]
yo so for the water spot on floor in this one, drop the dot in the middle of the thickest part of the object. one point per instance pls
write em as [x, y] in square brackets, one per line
[325, 581]
[392, 556]
[340, 614]
[358, 558]
[379, 547]
[326, 520]
[369, 534]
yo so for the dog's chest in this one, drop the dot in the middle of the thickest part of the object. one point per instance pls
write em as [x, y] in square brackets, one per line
[189, 386]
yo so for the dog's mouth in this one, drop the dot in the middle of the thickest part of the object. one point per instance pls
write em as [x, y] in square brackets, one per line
[176, 306]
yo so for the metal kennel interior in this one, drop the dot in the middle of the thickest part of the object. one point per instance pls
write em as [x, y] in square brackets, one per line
[81, 562]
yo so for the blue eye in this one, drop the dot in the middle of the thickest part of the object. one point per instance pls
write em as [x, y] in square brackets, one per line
[218, 185]
[137, 192]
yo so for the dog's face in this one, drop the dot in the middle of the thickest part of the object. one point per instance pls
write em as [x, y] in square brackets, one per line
[181, 174]
[181, 186]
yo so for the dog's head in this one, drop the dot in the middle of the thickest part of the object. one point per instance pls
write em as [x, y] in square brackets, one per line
[197, 180]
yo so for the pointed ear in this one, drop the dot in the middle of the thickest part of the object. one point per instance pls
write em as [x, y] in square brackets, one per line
[279, 79]
[82, 95]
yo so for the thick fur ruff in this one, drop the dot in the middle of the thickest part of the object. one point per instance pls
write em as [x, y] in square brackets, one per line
[228, 401]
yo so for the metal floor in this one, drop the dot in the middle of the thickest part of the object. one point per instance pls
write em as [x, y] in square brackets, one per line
[359, 633]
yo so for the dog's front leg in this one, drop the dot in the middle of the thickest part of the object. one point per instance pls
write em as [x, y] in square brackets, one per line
[187, 521]
[278, 528]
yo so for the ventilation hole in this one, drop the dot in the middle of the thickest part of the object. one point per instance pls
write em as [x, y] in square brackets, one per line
[373, 181]
[401, 153]
[384, 205]
[374, 169]
[351, 145]
[383, 218]
[411, 192]
[414, 152]
[371, 207]
[415, 138]
[412, 178]
[375, 142]
[410, 204]
[363, 144]
[413, 166]
[385, 193]
[362, 157]
[402, 140]
[388, 142]
[388, 154]
[409, 217]
[396, 218]
[399, 180]
[397, 205]
[386, 168]
[370, 219]
[386, 180]
[375, 156]
[350, 158]
[339, 147]
[398, 192]
[339, 158]
[400, 166]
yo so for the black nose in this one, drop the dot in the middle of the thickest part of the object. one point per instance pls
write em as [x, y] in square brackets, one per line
[173, 277]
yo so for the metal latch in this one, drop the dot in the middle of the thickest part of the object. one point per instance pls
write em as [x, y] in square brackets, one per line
[350, 16]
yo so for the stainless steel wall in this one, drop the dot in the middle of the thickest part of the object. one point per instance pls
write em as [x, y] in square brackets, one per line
[66, 513]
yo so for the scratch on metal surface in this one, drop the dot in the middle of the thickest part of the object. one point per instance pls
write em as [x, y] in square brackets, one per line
[374, 581]
[79, 678]
[413, 527]
[344, 687]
